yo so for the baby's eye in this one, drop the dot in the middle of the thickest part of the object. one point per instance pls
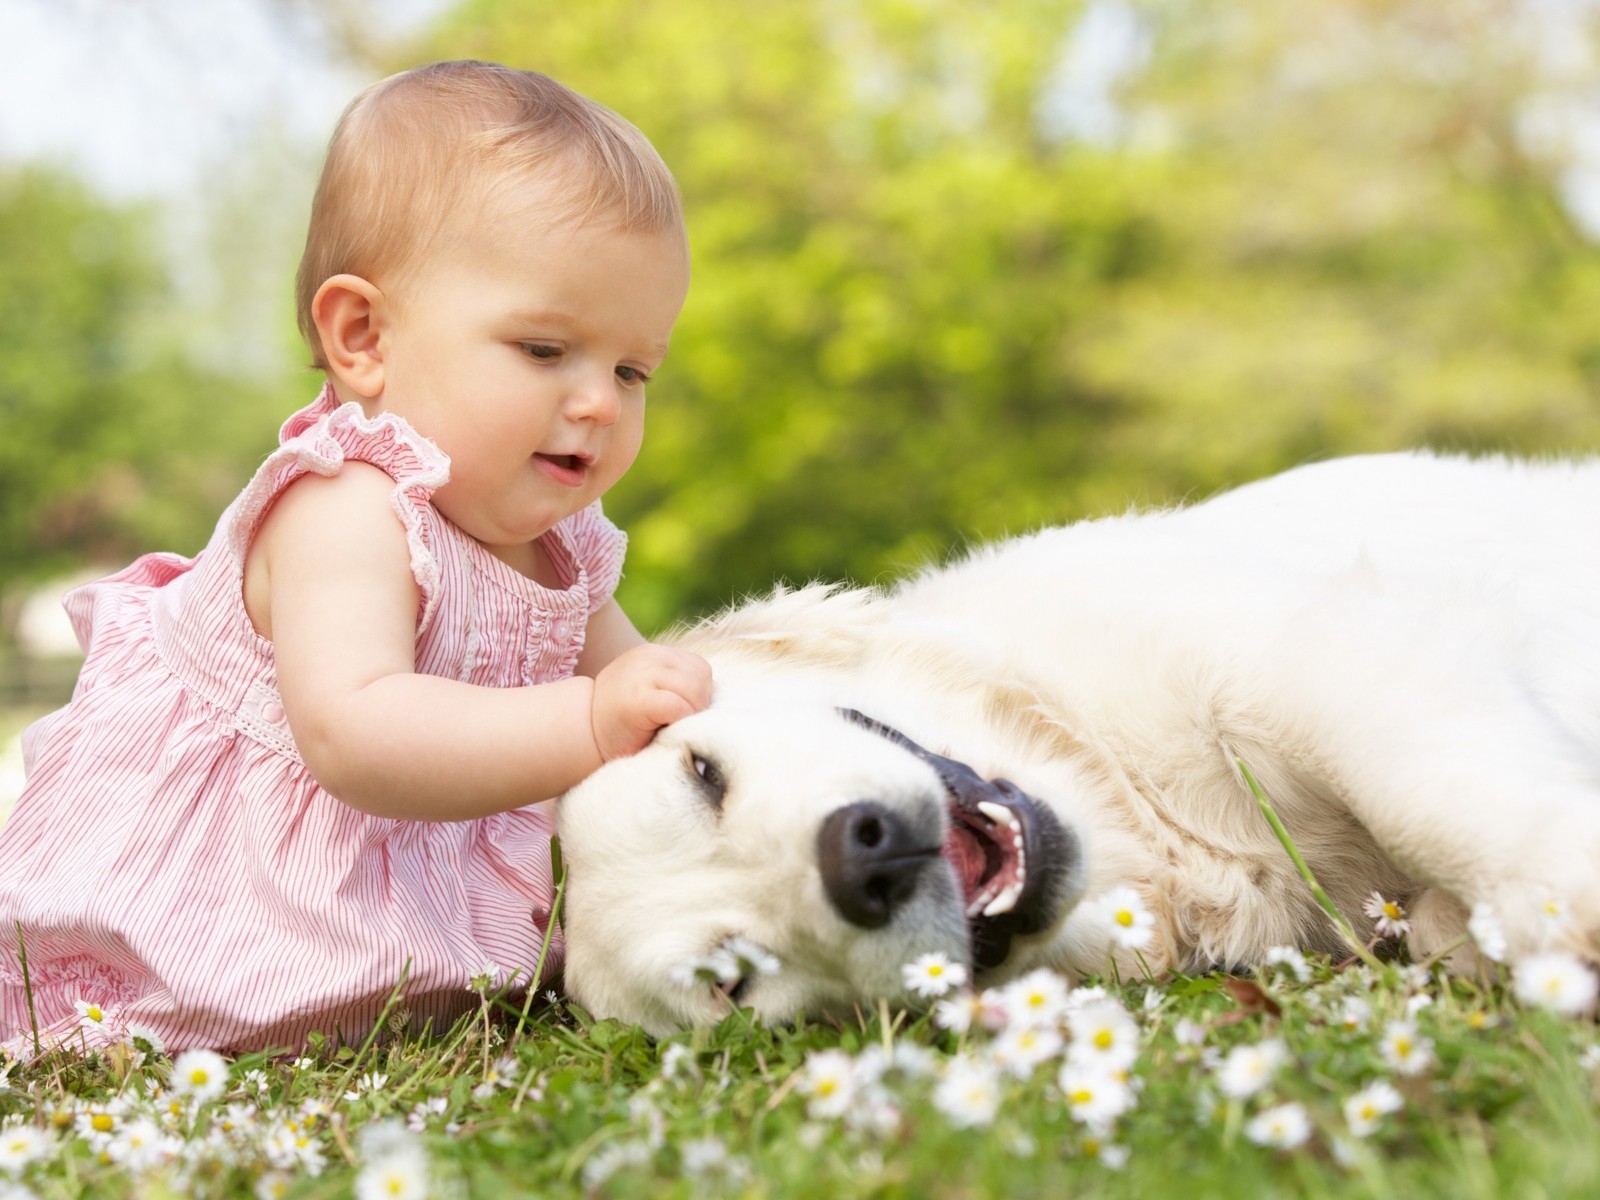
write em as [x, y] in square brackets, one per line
[541, 351]
[632, 375]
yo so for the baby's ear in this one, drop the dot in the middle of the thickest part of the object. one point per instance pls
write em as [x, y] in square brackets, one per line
[347, 310]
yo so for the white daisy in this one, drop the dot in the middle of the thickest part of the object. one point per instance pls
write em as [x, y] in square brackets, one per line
[273, 1185]
[1366, 1109]
[1189, 1033]
[702, 1156]
[1037, 998]
[1404, 1049]
[24, 1144]
[830, 1081]
[751, 958]
[1388, 917]
[1113, 1155]
[141, 1145]
[1078, 997]
[1095, 1097]
[202, 1074]
[1284, 1126]
[1129, 923]
[677, 1059]
[1104, 1033]
[400, 1174]
[93, 1017]
[1022, 1048]
[1555, 981]
[969, 1093]
[958, 1012]
[1485, 929]
[1555, 912]
[1288, 956]
[932, 974]
[1354, 1013]
[618, 1156]
[1248, 1069]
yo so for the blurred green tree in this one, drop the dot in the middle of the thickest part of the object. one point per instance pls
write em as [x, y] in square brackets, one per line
[926, 309]
[111, 442]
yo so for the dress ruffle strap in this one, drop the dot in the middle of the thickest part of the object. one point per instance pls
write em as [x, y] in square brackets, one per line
[320, 439]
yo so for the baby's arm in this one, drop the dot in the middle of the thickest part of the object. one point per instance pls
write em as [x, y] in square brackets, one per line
[342, 608]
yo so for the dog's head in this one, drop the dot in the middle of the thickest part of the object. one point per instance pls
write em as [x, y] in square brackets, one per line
[826, 849]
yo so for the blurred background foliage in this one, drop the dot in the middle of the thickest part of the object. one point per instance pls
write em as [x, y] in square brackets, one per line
[962, 267]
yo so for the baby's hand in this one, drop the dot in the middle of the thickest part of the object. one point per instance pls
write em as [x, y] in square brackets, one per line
[641, 690]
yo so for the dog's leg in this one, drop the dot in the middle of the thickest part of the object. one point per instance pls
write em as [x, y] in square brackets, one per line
[1422, 723]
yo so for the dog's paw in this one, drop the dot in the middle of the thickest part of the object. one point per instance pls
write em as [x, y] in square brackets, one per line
[1439, 926]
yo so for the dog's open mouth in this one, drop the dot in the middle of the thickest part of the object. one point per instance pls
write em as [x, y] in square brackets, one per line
[987, 848]
[1010, 855]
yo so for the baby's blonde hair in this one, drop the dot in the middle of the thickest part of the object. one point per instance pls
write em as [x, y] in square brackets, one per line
[427, 147]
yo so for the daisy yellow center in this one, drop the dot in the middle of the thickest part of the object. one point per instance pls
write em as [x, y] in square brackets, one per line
[1081, 1096]
[827, 1087]
[199, 1077]
[93, 1013]
[1124, 918]
[1402, 1048]
[102, 1122]
[1391, 910]
[396, 1186]
[935, 970]
[1369, 1111]
[1103, 1039]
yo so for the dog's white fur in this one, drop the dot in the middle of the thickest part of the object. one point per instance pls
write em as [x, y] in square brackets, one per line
[1404, 649]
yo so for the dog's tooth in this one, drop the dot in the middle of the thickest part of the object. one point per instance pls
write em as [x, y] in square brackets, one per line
[998, 813]
[1005, 901]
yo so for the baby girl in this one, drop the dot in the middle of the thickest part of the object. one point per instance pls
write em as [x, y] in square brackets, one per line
[308, 765]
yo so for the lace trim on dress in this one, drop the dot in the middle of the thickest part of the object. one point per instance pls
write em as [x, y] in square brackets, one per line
[81, 977]
[320, 439]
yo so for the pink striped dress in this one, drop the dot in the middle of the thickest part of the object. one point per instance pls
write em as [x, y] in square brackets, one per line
[172, 860]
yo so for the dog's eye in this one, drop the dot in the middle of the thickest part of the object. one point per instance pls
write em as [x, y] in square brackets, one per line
[710, 778]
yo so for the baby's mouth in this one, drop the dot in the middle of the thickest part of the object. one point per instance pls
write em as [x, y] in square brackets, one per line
[565, 470]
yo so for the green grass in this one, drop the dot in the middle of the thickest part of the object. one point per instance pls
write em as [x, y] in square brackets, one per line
[575, 1106]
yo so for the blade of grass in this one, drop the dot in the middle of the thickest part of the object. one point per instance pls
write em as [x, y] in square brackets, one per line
[558, 871]
[1324, 901]
[27, 986]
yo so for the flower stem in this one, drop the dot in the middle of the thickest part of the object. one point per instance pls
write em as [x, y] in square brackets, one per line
[1324, 901]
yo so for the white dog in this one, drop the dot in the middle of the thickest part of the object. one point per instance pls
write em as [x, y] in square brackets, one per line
[1404, 650]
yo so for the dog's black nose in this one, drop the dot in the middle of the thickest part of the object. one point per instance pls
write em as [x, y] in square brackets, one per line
[870, 861]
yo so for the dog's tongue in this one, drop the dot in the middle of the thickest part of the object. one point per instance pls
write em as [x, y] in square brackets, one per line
[969, 855]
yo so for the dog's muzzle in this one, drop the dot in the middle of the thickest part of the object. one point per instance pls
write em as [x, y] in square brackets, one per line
[1011, 856]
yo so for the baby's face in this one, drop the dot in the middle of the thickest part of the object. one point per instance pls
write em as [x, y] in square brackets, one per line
[522, 351]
